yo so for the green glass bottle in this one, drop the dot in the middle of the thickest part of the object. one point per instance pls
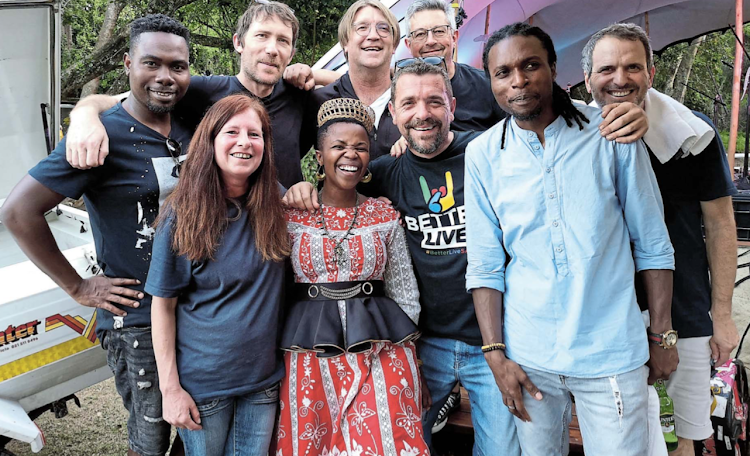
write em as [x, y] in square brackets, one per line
[666, 414]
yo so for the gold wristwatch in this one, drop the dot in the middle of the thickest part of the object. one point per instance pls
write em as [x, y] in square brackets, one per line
[666, 340]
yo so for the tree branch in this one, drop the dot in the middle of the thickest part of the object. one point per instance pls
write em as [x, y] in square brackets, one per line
[212, 41]
[105, 59]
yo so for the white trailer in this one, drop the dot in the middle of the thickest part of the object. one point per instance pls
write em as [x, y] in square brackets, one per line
[48, 344]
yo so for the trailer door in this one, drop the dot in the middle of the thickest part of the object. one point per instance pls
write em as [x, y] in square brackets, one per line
[29, 77]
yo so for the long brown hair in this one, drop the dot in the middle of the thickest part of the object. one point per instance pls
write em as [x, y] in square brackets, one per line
[199, 201]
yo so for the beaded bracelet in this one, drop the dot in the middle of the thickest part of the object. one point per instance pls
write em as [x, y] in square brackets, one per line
[492, 347]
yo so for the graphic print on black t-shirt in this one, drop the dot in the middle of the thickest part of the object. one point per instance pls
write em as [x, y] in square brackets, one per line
[123, 198]
[443, 226]
[429, 193]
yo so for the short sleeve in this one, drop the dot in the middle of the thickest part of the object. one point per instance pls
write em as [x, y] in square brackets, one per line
[55, 173]
[376, 186]
[715, 179]
[169, 273]
[196, 101]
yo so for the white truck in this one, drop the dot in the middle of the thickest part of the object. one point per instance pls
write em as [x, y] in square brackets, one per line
[48, 345]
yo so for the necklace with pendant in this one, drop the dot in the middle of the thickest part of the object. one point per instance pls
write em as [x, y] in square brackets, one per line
[339, 255]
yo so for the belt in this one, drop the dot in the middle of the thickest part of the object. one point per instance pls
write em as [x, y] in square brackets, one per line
[337, 291]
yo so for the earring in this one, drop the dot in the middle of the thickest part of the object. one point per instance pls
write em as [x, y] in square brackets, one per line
[321, 173]
[367, 177]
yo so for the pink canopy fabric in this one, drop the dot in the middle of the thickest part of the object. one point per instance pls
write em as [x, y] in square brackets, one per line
[570, 23]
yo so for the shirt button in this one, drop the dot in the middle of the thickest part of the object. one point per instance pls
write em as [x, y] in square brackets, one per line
[549, 170]
[536, 147]
[555, 223]
[559, 249]
[551, 195]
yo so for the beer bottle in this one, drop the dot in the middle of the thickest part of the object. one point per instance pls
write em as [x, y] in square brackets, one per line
[666, 415]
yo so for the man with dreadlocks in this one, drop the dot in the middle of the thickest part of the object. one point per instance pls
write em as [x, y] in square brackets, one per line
[551, 211]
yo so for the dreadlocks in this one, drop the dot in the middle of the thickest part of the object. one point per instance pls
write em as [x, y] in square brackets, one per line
[562, 105]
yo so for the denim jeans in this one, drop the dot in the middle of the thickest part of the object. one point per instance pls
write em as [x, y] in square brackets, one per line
[130, 356]
[612, 414]
[448, 361]
[240, 425]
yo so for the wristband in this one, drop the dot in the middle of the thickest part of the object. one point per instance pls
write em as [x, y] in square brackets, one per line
[493, 347]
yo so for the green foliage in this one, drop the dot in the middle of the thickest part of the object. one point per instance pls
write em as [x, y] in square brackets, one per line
[216, 19]
[309, 166]
[711, 74]
[740, 140]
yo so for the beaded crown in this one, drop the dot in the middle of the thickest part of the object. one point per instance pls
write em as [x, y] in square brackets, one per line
[347, 108]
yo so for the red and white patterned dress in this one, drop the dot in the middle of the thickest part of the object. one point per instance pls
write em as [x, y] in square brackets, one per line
[364, 403]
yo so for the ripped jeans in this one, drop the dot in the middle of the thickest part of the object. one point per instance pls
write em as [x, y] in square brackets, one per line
[612, 414]
[130, 356]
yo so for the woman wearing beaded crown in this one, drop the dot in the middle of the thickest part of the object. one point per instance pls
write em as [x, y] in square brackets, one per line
[352, 384]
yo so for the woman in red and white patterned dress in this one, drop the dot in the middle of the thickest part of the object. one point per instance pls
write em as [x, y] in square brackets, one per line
[352, 384]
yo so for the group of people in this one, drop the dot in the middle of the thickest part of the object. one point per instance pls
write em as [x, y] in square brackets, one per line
[467, 226]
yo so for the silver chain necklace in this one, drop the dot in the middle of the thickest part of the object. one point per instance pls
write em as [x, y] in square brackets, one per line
[339, 256]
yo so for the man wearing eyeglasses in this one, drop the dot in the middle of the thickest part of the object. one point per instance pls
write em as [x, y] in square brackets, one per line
[122, 198]
[431, 32]
[369, 34]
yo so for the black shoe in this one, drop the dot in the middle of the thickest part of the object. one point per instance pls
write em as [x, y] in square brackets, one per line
[451, 404]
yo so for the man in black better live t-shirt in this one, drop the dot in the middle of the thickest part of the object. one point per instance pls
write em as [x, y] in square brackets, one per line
[427, 187]
[265, 39]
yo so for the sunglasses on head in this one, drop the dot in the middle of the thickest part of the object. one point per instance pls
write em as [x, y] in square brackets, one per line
[437, 61]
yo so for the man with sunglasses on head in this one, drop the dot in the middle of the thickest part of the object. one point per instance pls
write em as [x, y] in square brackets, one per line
[122, 198]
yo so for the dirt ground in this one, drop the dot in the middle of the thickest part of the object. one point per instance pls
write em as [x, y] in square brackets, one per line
[98, 428]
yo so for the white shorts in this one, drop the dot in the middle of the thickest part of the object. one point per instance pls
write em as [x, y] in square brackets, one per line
[690, 388]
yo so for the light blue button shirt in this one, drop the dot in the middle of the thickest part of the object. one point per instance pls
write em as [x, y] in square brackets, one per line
[551, 227]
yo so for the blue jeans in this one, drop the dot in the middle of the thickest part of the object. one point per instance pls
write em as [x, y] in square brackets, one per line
[448, 361]
[612, 413]
[240, 425]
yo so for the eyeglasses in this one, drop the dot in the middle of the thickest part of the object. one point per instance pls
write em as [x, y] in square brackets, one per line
[363, 29]
[419, 35]
[175, 150]
[436, 61]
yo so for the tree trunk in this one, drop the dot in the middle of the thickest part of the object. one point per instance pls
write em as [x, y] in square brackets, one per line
[669, 87]
[114, 7]
[683, 70]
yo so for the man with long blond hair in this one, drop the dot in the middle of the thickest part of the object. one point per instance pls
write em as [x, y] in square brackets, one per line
[369, 35]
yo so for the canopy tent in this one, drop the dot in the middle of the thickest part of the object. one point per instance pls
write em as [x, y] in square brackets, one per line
[570, 23]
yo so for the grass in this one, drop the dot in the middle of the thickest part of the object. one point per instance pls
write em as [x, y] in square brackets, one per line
[98, 428]
[740, 140]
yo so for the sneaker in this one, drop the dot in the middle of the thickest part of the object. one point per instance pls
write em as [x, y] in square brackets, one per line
[451, 404]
